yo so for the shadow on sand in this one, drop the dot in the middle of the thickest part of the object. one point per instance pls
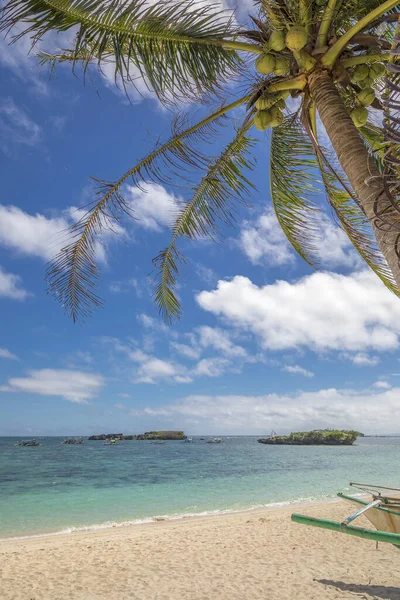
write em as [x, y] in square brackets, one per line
[376, 591]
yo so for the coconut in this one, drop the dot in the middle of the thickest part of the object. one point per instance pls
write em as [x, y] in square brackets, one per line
[266, 102]
[281, 103]
[276, 116]
[360, 72]
[282, 66]
[377, 70]
[277, 41]
[359, 116]
[262, 119]
[353, 77]
[321, 2]
[265, 64]
[367, 82]
[366, 96]
[296, 38]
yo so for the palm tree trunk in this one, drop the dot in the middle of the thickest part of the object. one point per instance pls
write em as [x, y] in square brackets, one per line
[358, 165]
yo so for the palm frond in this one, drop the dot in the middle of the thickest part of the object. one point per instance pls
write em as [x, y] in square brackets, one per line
[357, 227]
[351, 11]
[278, 13]
[345, 204]
[177, 48]
[293, 186]
[73, 275]
[213, 201]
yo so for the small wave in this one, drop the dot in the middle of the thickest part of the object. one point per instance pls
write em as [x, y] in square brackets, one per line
[162, 518]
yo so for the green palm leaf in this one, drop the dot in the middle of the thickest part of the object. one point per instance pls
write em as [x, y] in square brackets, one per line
[177, 48]
[293, 187]
[357, 227]
[73, 275]
[222, 186]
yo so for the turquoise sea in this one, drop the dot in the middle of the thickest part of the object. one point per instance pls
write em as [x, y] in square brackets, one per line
[59, 488]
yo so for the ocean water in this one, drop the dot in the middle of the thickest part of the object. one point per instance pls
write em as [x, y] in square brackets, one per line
[57, 488]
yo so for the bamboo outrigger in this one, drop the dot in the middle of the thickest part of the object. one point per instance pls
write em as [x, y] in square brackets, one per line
[383, 511]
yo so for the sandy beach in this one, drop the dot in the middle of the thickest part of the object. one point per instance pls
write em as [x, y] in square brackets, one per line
[253, 555]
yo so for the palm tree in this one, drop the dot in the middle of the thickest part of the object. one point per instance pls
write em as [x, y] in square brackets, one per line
[329, 55]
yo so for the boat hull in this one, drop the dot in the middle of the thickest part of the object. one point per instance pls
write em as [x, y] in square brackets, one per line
[367, 534]
[384, 519]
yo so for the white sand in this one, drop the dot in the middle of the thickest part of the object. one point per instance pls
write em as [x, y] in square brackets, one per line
[248, 556]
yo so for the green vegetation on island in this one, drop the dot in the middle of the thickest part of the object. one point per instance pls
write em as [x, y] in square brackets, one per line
[162, 435]
[149, 435]
[326, 437]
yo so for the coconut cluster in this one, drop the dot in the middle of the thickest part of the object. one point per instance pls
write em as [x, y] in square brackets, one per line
[364, 76]
[270, 106]
[269, 110]
[276, 59]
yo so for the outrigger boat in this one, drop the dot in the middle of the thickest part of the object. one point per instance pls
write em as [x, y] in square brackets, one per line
[383, 511]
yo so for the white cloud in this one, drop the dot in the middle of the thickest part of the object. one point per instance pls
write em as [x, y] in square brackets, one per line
[264, 242]
[152, 323]
[322, 311]
[363, 360]
[11, 286]
[218, 339]
[336, 248]
[33, 235]
[16, 127]
[24, 63]
[185, 350]
[118, 287]
[383, 385]
[152, 206]
[75, 386]
[211, 367]
[206, 274]
[296, 369]
[37, 235]
[366, 411]
[204, 338]
[5, 353]
[152, 369]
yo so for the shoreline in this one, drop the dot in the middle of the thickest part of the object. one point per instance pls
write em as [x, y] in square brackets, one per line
[251, 555]
[158, 519]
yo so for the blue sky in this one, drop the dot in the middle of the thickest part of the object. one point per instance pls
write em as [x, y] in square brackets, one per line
[264, 342]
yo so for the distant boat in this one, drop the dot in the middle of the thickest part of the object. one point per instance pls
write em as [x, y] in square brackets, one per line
[33, 442]
[73, 441]
[383, 511]
[188, 440]
[158, 442]
[215, 441]
[112, 442]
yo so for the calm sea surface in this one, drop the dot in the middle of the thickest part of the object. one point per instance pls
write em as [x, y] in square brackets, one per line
[54, 487]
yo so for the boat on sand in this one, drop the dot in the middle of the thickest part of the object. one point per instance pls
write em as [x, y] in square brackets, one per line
[382, 509]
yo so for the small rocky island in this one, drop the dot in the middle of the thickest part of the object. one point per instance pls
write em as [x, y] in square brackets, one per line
[148, 435]
[318, 437]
